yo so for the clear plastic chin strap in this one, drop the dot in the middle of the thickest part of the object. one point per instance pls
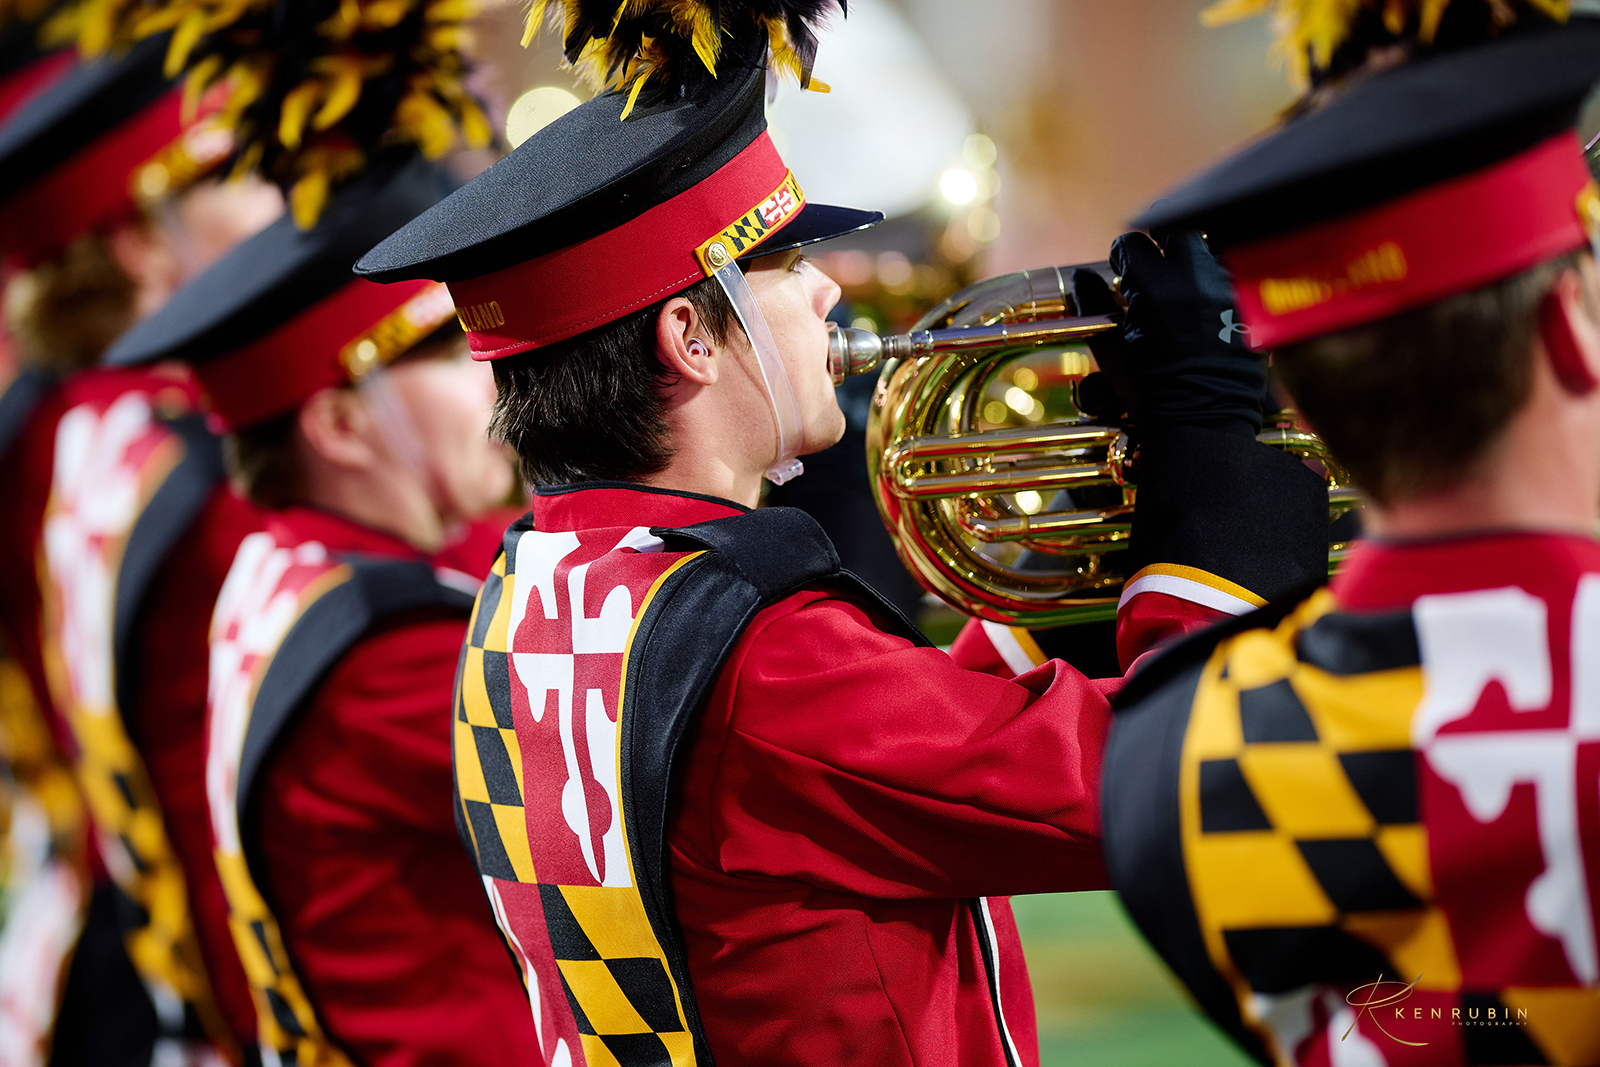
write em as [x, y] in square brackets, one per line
[773, 375]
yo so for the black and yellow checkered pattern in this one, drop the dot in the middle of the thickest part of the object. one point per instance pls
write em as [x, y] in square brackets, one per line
[32, 770]
[1306, 861]
[1299, 817]
[126, 812]
[613, 969]
[286, 1023]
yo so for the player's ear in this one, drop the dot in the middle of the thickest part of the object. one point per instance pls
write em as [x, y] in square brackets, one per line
[1570, 330]
[681, 343]
[338, 428]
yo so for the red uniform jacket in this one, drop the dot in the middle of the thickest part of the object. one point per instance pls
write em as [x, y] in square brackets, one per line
[842, 796]
[1371, 833]
[381, 911]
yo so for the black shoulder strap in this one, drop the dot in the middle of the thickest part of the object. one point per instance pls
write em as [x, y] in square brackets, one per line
[1139, 809]
[18, 401]
[163, 521]
[377, 589]
[753, 560]
[1143, 842]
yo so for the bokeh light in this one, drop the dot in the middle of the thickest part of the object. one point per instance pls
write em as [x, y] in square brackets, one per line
[959, 186]
[536, 109]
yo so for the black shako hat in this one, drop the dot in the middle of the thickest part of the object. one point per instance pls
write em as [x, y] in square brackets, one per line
[595, 216]
[25, 67]
[95, 144]
[1417, 183]
[281, 316]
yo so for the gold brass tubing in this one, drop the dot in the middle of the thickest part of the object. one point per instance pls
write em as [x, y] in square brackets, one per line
[1023, 527]
[1053, 439]
[1003, 335]
[1343, 496]
[938, 486]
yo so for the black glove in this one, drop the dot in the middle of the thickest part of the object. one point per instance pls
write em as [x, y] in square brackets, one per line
[1180, 359]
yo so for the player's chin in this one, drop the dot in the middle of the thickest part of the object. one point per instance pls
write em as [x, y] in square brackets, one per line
[826, 430]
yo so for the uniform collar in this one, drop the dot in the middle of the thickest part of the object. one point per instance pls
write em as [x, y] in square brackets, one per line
[1385, 575]
[340, 533]
[593, 505]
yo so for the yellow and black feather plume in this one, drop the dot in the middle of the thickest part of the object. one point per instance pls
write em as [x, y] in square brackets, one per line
[313, 88]
[662, 46]
[1328, 40]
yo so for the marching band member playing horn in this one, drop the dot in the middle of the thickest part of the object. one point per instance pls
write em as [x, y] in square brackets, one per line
[360, 426]
[726, 802]
[108, 201]
[1363, 826]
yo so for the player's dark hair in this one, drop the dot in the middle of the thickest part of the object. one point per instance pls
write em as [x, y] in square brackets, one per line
[592, 408]
[1411, 403]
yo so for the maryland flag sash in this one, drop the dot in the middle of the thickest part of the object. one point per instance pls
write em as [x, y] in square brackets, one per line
[128, 481]
[288, 611]
[1365, 838]
[44, 880]
[586, 660]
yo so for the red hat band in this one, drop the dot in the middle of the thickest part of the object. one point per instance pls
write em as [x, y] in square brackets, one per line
[679, 241]
[336, 341]
[1437, 242]
[150, 154]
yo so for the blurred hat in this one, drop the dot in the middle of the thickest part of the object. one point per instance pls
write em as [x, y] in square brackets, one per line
[1406, 186]
[25, 67]
[635, 195]
[312, 93]
[281, 316]
[89, 149]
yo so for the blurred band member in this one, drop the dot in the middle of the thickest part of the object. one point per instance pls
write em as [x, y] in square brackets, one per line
[43, 830]
[359, 424]
[1363, 825]
[107, 204]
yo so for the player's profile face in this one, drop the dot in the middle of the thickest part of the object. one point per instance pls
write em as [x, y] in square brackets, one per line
[795, 298]
[449, 398]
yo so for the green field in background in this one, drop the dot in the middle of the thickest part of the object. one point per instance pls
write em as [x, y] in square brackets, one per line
[1104, 998]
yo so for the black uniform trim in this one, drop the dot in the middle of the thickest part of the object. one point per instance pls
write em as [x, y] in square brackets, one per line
[991, 966]
[377, 589]
[1360, 643]
[163, 521]
[1143, 840]
[18, 402]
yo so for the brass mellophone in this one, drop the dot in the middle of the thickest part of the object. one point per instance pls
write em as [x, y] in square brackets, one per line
[1019, 524]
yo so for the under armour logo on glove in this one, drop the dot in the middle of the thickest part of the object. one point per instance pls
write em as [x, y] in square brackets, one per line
[1229, 328]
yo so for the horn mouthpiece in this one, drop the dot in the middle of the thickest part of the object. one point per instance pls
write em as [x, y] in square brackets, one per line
[852, 351]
